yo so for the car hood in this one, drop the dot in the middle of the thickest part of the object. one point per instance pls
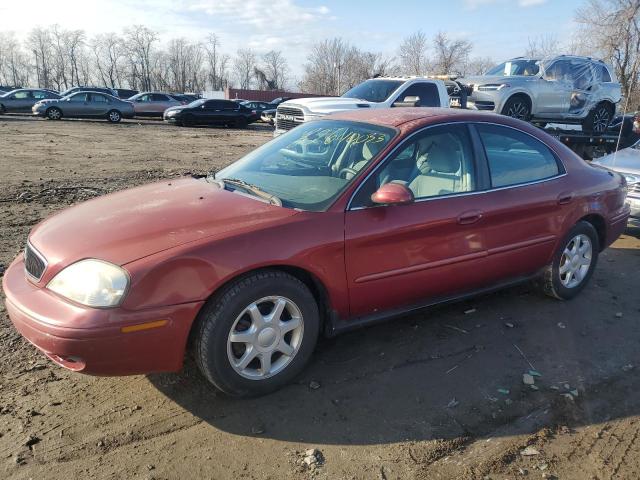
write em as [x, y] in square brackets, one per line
[626, 160]
[326, 105]
[131, 224]
[176, 108]
[485, 79]
[48, 100]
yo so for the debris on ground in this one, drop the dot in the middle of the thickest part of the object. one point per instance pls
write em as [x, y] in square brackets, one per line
[529, 452]
[509, 325]
[561, 325]
[627, 368]
[453, 403]
[528, 379]
[618, 314]
[313, 385]
[311, 459]
[504, 391]
[471, 310]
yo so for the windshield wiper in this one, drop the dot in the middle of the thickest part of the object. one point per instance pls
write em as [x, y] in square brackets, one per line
[254, 189]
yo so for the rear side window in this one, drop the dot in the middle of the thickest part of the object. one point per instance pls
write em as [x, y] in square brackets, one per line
[515, 157]
[428, 93]
[602, 74]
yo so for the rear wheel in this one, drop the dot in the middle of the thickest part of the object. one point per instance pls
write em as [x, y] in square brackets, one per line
[257, 334]
[54, 113]
[573, 263]
[517, 107]
[598, 119]
[114, 116]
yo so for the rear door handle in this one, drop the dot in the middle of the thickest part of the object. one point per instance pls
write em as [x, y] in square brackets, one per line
[468, 218]
[565, 198]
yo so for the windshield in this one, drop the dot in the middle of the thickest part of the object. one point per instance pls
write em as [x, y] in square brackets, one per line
[374, 90]
[525, 68]
[308, 167]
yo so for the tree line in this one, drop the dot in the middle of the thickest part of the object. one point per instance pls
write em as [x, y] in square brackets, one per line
[53, 57]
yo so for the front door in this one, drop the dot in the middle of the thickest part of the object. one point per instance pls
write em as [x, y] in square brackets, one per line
[403, 255]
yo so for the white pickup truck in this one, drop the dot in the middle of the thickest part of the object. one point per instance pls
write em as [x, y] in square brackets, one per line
[382, 92]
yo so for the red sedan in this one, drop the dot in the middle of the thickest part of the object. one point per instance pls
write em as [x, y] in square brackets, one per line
[338, 223]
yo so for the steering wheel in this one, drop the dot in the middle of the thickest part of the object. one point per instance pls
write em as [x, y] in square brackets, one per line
[343, 172]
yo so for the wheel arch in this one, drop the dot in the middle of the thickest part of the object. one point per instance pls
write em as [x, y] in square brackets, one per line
[309, 279]
[523, 94]
[600, 225]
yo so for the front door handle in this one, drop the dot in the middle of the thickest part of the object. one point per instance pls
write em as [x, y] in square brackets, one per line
[468, 218]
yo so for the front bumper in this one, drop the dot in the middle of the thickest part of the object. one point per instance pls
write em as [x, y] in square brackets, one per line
[634, 204]
[490, 101]
[59, 329]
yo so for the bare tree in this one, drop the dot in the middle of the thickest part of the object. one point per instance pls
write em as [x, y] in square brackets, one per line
[108, 54]
[139, 43]
[413, 54]
[39, 43]
[14, 66]
[478, 66]
[542, 46]
[244, 65]
[275, 68]
[450, 55]
[217, 63]
[611, 28]
[324, 68]
[184, 65]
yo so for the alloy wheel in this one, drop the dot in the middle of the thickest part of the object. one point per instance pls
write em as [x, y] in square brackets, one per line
[601, 120]
[54, 114]
[518, 110]
[114, 116]
[575, 261]
[265, 337]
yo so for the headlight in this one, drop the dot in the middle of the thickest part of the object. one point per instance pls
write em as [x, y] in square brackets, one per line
[490, 87]
[171, 113]
[93, 283]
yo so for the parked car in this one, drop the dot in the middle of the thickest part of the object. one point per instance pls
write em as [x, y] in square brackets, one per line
[211, 112]
[277, 101]
[153, 104]
[561, 89]
[627, 127]
[339, 223]
[126, 93]
[269, 116]
[379, 92]
[85, 105]
[185, 98]
[108, 91]
[23, 99]
[627, 163]
[257, 106]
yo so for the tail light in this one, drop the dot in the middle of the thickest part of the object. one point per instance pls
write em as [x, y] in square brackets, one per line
[254, 112]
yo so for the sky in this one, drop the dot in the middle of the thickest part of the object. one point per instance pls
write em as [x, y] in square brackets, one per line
[497, 28]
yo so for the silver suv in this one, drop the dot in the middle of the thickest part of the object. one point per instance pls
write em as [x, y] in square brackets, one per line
[562, 89]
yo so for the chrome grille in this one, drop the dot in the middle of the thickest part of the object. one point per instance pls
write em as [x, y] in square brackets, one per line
[634, 188]
[288, 118]
[34, 263]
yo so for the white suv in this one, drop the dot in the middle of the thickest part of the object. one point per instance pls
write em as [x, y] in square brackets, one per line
[374, 93]
[561, 89]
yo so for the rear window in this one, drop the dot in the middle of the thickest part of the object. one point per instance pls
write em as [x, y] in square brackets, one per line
[515, 157]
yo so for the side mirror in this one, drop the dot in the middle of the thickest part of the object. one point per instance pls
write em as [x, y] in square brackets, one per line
[408, 102]
[392, 194]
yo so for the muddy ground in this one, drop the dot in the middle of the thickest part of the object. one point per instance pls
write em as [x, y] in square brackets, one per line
[438, 394]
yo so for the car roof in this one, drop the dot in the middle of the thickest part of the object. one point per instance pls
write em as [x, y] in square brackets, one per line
[395, 117]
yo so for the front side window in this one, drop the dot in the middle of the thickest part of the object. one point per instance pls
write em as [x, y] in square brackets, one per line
[308, 167]
[21, 95]
[515, 157]
[434, 163]
[374, 90]
[79, 97]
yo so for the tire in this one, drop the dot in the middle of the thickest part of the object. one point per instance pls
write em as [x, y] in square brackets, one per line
[114, 116]
[553, 282]
[54, 113]
[518, 107]
[598, 119]
[241, 123]
[228, 311]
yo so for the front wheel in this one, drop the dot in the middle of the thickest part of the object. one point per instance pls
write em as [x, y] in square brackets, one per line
[54, 113]
[114, 116]
[573, 263]
[257, 334]
[517, 107]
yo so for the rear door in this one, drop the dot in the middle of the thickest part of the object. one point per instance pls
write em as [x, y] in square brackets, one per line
[160, 102]
[21, 101]
[527, 203]
[99, 105]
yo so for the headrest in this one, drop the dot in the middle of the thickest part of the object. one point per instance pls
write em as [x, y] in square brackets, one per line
[440, 158]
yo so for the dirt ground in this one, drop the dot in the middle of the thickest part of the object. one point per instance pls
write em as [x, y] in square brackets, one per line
[438, 394]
